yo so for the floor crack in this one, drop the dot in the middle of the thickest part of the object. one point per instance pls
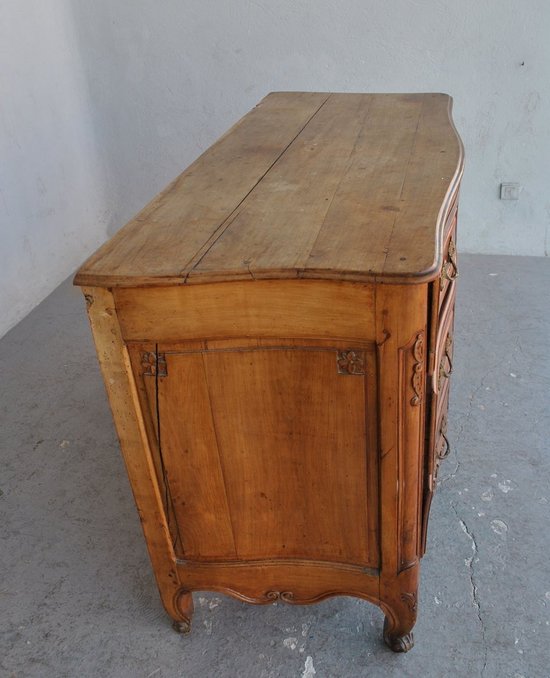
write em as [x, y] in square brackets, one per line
[470, 562]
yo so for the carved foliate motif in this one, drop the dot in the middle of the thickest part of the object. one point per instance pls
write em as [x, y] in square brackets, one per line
[418, 369]
[285, 596]
[351, 362]
[153, 364]
[410, 600]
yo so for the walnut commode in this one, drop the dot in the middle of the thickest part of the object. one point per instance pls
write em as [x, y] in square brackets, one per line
[275, 335]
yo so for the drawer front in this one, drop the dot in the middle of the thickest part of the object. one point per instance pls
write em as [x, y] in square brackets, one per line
[451, 214]
[445, 360]
[440, 369]
[441, 447]
[443, 293]
[438, 449]
[449, 270]
[443, 355]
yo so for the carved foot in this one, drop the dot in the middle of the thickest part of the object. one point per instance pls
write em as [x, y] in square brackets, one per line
[182, 626]
[397, 643]
[184, 610]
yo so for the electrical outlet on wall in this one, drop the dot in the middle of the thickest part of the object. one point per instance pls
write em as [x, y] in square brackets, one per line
[510, 191]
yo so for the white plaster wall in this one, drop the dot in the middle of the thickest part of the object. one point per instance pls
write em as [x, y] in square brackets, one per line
[52, 205]
[164, 79]
[167, 78]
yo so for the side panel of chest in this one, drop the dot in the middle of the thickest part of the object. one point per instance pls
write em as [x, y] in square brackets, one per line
[270, 449]
[266, 425]
[285, 420]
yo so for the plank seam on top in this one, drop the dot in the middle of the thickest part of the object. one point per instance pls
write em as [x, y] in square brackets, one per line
[301, 270]
[192, 263]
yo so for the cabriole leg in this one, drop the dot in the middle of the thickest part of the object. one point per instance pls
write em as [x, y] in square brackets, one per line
[184, 606]
[400, 619]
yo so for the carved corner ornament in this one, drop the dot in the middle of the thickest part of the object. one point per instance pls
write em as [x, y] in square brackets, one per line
[351, 362]
[153, 364]
[418, 369]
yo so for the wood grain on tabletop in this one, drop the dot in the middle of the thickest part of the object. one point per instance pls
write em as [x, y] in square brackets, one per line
[347, 186]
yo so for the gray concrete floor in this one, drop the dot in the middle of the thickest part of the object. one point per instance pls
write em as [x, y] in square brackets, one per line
[77, 596]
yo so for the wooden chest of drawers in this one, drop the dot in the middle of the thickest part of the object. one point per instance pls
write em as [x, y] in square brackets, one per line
[275, 335]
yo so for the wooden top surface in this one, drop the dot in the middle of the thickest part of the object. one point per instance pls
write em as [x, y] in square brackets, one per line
[307, 185]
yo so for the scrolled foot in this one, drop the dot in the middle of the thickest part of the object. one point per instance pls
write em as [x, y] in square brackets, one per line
[182, 626]
[183, 609]
[397, 643]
